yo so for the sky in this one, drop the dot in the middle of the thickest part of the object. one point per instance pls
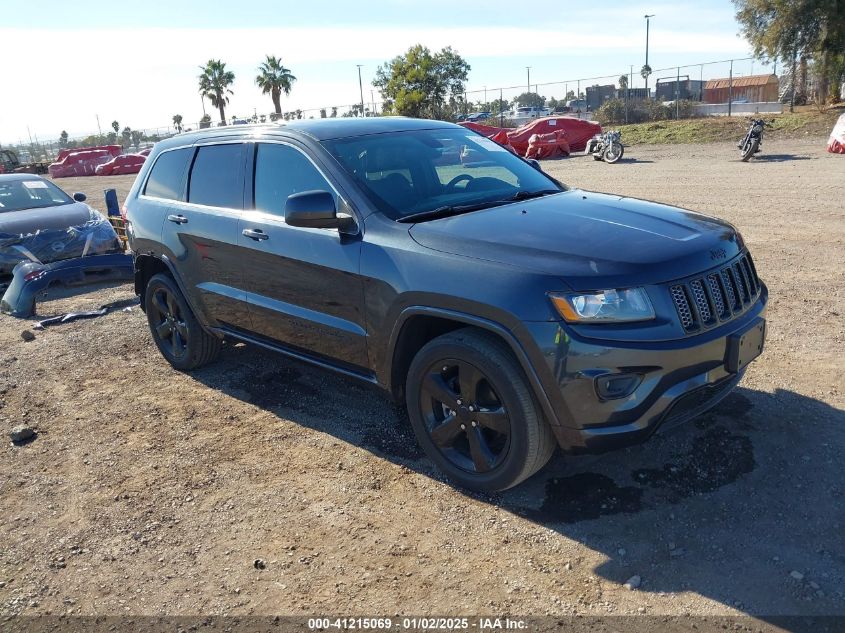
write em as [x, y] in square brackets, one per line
[66, 64]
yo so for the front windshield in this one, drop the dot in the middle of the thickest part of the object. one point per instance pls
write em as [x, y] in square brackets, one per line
[36, 193]
[413, 172]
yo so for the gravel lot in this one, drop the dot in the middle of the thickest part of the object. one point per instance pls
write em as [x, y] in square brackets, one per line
[147, 491]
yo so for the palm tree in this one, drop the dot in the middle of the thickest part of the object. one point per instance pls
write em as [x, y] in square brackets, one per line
[214, 85]
[623, 82]
[177, 122]
[645, 71]
[275, 79]
[115, 126]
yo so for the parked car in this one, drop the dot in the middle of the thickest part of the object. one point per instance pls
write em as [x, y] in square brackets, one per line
[477, 116]
[510, 313]
[41, 223]
[123, 164]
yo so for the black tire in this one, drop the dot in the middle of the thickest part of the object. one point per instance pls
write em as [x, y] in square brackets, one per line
[750, 150]
[176, 332]
[613, 153]
[495, 437]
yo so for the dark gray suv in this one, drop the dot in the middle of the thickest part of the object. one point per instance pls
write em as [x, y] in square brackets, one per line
[510, 313]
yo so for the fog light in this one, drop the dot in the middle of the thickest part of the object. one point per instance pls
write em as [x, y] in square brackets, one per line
[615, 386]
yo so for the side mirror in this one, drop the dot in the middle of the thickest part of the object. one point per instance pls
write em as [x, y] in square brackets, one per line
[316, 210]
[80, 197]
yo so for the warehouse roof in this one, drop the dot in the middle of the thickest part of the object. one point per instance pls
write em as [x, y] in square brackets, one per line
[741, 82]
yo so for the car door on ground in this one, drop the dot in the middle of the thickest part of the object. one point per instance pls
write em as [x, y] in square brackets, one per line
[302, 284]
[201, 232]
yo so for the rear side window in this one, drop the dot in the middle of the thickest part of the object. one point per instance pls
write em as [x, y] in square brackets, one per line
[165, 179]
[280, 171]
[217, 176]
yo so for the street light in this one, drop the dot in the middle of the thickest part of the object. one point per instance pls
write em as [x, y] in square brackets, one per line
[361, 88]
[647, 21]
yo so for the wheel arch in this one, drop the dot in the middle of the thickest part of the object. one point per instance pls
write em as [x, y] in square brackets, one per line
[147, 266]
[417, 325]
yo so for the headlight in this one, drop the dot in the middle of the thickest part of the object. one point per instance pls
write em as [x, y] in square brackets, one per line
[604, 306]
[757, 128]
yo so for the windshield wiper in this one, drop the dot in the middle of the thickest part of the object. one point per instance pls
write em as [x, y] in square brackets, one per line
[442, 212]
[445, 211]
[526, 195]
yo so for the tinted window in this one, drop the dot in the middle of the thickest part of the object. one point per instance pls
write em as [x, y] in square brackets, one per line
[281, 170]
[165, 179]
[216, 178]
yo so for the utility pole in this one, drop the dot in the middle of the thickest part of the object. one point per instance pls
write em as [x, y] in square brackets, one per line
[678, 94]
[647, 24]
[528, 70]
[373, 100]
[361, 88]
[501, 112]
[99, 131]
[485, 98]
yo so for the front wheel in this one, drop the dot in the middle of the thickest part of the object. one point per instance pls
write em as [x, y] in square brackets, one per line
[613, 153]
[176, 332]
[750, 149]
[473, 412]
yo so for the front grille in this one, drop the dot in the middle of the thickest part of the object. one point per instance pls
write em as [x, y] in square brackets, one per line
[716, 297]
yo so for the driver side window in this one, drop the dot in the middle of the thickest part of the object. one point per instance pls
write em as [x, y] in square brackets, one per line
[281, 171]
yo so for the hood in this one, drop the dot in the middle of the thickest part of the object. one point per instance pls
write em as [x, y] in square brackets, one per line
[32, 220]
[590, 240]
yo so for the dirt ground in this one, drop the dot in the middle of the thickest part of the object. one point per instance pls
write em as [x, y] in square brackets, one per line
[149, 491]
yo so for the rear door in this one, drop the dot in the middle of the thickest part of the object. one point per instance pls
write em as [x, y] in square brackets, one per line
[201, 233]
[302, 284]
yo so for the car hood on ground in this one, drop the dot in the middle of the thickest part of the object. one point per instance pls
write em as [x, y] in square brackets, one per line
[590, 240]
[32, 220]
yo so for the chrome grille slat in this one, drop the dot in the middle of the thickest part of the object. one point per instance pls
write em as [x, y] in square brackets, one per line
[718, 296]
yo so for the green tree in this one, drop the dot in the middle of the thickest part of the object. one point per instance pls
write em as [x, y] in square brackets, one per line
[215, 82]
[126, 134]
[274, 78]
[623, 82]
[531, 99]
[334, 112]
[115, 126]
[63, 139]
[499, 105]
[423, 84]
[177, 122]
[322, 113]
[789, 29]
[645, 71]
[137, 137]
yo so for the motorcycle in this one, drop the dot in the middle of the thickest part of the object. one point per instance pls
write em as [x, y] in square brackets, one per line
[752, 142]
[607, 147]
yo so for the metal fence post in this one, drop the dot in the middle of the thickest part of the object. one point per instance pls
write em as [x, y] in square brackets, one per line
[730, 87]
[678, 94]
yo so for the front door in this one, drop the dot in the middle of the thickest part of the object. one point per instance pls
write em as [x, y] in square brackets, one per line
[302, 284]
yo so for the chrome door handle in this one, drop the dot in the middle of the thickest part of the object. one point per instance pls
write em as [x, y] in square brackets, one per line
[256, 234]
[178, 219]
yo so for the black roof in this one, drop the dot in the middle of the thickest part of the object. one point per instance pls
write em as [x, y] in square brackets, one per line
[318, 129]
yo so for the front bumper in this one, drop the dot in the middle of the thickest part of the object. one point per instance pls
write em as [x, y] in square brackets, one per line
[680, 379]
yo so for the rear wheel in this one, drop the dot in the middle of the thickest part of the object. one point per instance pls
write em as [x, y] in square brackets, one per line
[473, 412]
[176, 332]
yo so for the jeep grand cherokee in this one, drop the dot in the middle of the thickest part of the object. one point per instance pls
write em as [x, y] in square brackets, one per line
[510, 313]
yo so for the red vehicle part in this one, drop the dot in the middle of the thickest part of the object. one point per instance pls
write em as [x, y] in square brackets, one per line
[114, 150]
[123, 164]
[578, 132]
[79, 163]
[836, 143]
[551, 145]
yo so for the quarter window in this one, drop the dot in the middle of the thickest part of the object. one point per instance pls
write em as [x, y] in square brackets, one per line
[216, 177]
[165, 179]
[281, 171]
